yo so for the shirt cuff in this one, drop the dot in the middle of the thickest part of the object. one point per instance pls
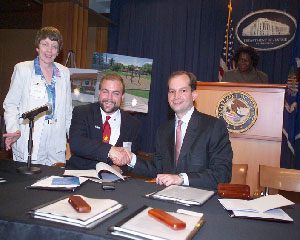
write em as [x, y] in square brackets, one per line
[185, 179]
[133, 161]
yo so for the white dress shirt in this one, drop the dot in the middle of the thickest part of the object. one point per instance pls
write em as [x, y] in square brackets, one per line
[185, 122]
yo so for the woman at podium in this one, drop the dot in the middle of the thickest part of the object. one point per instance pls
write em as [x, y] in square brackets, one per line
[41, 82]
[246, 59]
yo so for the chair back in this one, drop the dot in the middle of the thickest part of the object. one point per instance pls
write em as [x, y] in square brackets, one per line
[59, 164]
[239, 173]
[279, 178]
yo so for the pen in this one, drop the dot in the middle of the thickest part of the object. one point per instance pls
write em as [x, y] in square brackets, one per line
[196, 229]
[151, 181]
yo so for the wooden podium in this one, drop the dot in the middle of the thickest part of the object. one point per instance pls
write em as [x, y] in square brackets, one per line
[261, 143]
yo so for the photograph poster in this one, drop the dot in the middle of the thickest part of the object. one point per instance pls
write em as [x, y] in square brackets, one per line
[136, 73]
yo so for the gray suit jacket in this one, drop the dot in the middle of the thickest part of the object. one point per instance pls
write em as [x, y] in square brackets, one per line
[254, 76]
[206, 154]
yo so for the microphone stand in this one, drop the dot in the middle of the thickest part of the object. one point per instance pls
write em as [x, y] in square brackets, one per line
[28, 169]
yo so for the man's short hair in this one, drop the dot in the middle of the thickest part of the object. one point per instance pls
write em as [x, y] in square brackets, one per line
[49, 32]
[113, 77]
[192, 77]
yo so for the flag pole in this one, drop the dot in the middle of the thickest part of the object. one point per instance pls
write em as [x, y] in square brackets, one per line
[228, 26]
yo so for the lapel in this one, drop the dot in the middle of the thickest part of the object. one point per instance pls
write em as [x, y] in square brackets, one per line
[59, 91]
[192, 132]
[166, 146]
[170, 140]
[97, 123]
[37, 80]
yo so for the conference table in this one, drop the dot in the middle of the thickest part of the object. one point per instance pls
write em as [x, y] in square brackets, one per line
[16, 200]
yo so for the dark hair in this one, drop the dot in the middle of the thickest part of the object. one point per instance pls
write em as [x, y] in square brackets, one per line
[49, 32]
[192, 77]
[250, 51]
[113, 77]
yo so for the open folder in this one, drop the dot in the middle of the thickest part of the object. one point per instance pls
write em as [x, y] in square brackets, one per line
[58, 183]
[103, 172]
[182, 195]
[263, 208]
[140, 225]
[61, 211]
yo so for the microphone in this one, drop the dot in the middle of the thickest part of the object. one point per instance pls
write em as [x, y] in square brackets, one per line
[32, 113]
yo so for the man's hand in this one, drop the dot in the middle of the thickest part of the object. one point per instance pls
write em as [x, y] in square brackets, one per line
[168, 179]
[11, 138]
[119, 156]
[128, 153]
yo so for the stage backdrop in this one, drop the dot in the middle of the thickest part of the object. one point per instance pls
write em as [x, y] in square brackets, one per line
[185, 35]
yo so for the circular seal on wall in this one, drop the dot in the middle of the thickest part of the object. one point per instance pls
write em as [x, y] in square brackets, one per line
[239, 111]
[266, 29]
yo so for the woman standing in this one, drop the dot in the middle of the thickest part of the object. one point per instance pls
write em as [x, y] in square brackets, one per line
[246, 60]
[33, 84]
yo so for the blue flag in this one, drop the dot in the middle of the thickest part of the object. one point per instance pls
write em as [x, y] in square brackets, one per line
[290, 147]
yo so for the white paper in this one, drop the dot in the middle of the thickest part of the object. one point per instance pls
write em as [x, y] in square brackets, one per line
[267, 207]
[93, 173]
[191, 213]
[139, 225]
[261, 204]
[82, 173]
[62, 211]
[187, 195]
[270, 214]
[47, 182]
[103, 166]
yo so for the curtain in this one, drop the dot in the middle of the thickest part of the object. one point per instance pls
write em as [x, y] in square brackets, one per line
[101, 39]
[70, 17]
[184, 35]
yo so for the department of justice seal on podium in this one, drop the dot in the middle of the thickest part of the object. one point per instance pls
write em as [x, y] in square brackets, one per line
[238, 109]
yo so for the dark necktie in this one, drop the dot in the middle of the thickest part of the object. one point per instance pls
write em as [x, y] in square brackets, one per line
[106, 130]
[178, 140]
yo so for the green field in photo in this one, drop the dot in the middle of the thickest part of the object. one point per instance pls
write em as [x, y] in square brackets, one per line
[139, 93]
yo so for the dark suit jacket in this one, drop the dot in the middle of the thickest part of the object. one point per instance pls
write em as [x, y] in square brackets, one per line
[206, 154]
[86, 134]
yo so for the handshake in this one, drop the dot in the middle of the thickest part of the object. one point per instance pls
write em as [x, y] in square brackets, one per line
[120, 156]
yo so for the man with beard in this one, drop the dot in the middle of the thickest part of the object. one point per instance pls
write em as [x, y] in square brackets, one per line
[99, 131]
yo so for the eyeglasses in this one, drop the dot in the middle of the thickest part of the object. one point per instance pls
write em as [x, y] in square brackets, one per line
[46, 45]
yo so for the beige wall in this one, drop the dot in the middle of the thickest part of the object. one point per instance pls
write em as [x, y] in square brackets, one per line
[16, 45]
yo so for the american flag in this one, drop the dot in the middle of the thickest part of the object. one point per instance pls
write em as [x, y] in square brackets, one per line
[227, 51]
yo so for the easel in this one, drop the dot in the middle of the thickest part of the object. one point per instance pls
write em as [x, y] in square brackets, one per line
[71, 55]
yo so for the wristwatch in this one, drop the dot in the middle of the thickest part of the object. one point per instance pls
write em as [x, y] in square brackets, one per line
[182, 178]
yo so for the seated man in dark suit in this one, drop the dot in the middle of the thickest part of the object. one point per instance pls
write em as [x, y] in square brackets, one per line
[193, 149]
[99, 131]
